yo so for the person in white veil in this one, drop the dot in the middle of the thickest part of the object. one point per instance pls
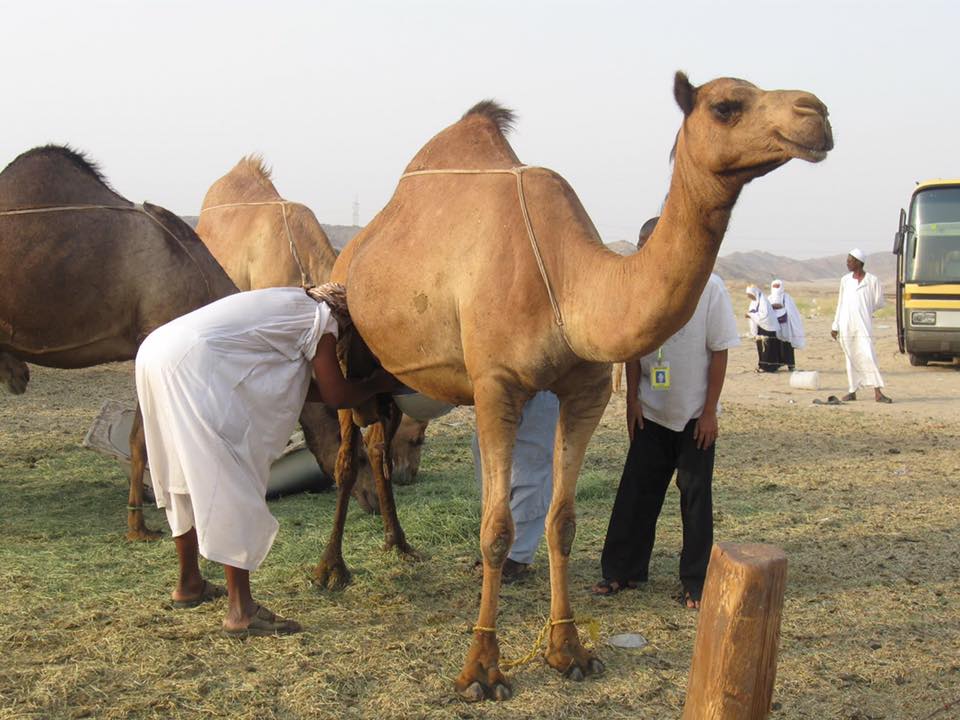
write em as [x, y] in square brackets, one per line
[789, 323]
[763, 327]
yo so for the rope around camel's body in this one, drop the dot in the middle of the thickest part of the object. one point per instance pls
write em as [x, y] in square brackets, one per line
[304, 280]
[122, 208]
[518, 173]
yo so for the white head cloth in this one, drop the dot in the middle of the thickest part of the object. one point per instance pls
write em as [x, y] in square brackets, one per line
[776, 292]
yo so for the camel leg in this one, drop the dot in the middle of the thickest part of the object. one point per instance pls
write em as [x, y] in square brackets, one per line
[321, 431]
[583, 397]
[498, 415]
[15, 373]
[136, 528]
[332, 572]
[377, 441]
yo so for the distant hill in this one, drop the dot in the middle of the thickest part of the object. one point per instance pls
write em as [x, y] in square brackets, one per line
[340, 235]
[762, 267]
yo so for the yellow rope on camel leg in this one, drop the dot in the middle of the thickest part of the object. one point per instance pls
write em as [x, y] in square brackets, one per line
[593, 629]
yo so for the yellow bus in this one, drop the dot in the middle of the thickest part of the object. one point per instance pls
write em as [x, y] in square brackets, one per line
[927, 246]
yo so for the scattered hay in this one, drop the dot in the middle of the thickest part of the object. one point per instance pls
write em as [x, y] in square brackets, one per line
[871, 627]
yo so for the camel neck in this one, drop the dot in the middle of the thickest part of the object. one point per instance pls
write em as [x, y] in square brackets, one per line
[636, 302]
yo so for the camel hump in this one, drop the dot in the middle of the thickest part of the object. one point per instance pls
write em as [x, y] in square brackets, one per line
[55, 175]
[254, 163]
[476, 141]
[504, 118]
[62, 154]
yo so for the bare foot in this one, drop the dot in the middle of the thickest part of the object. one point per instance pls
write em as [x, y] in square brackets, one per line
[849, 397]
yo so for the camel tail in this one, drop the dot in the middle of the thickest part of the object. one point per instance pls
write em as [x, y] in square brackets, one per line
[502, 117]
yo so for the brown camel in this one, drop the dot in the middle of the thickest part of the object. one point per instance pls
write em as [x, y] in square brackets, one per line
[86, 275]
[263, 240]
[500, 287]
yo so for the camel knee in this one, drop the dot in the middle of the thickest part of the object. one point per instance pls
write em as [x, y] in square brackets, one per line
[563, 530]
[497, 541]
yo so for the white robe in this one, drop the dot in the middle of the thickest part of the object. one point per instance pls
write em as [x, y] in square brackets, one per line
[853, 322]
[789, 321]
[760, 312]
[221, 389]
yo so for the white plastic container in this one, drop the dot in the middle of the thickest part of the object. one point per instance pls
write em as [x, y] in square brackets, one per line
[805, 380]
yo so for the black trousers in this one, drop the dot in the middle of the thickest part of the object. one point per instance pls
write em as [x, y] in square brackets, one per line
[787, 355]
[655, 453]
[769, 351]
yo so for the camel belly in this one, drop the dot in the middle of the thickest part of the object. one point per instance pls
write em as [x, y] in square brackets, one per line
[413, 329]
[417, 352]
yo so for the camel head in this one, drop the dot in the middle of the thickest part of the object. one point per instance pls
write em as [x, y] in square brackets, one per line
[405, 450]
[733, 129]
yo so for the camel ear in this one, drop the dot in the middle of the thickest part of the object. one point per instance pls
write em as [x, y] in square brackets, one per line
[684, 92]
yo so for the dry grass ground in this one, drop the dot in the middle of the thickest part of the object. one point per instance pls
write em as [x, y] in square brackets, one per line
[864, 499]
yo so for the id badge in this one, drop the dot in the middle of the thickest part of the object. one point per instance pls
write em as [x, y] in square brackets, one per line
[660, 376]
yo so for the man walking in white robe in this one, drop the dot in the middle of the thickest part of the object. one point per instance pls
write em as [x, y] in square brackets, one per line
[860, 296]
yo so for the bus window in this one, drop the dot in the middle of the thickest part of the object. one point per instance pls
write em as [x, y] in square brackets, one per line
[933, 245]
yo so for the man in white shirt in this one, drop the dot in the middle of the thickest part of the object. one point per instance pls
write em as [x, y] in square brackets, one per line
[672, 406]
[860, 296]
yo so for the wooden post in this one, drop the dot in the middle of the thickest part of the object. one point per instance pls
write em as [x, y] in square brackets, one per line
[738, 634]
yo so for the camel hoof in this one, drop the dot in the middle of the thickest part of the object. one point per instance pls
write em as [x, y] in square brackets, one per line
[144, 534]
[473, 692]
[575, 674]
[596, 667]
[501, 692]
[331, 577]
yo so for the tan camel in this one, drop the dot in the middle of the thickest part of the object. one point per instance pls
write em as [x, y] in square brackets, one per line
[259, 238]
[500, 287]
[86, 275]
[263, 240]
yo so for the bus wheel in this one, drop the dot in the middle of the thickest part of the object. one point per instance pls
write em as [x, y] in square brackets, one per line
[918, 360]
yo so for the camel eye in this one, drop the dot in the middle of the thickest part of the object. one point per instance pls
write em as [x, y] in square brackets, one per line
[726, 110]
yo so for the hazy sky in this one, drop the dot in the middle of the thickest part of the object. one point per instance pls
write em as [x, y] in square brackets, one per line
[339, 96]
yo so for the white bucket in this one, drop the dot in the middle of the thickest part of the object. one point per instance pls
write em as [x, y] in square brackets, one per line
[805, 380]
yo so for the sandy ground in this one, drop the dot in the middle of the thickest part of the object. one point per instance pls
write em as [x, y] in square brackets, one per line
[931, 392]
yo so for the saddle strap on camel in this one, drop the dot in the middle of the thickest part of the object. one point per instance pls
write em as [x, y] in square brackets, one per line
[304, 280]
[518, 173]
[122, 208]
